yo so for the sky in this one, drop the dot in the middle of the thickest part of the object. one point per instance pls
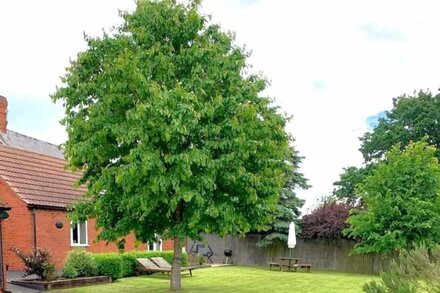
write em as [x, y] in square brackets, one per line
[335, 66]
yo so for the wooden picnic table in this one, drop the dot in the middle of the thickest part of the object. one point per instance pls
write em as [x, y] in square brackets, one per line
[289, 260]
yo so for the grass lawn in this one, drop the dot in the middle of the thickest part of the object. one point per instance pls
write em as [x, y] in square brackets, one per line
[239, 279]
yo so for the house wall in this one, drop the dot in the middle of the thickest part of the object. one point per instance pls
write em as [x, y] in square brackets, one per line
[17, 229]
[58, 241]
[168, 245]
[18, 232]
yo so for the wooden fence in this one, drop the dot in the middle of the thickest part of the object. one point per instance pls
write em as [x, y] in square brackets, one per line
[322, 254]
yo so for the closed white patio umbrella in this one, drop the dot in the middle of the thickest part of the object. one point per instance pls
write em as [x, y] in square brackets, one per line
[291, 239]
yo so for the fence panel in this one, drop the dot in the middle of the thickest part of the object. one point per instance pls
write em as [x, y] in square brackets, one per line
[331, 255]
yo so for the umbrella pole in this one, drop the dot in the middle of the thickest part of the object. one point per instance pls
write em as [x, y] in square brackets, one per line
[290, 252]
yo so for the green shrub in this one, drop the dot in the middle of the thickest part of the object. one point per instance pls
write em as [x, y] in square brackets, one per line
[79, 263]
[120, 265]
[110, 264]
[49, 272]
[69, 272]
[416, 270]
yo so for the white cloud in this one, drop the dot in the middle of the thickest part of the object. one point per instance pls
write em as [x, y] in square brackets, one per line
[332, 63]
[39, 37]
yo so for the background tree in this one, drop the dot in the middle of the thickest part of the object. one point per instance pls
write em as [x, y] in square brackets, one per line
[327, 221]
[288, 207]
[403, 203]
[345, 189]
[170, 130]
[411, 119]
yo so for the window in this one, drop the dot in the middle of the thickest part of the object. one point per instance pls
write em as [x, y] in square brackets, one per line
[78, 234]
[157, 245]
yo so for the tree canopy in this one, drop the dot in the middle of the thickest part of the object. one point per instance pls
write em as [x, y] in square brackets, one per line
[170, 130]
[345, 187]
[411, 119]
[402, 195]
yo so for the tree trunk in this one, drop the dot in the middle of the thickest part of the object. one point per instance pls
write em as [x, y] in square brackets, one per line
[175, 282]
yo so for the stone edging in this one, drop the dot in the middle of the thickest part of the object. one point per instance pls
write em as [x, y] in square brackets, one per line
[63, 283]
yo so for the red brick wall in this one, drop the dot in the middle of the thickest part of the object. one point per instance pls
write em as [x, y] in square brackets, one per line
[3, 114]
[168, 245]
[17, 229]
[58, 240]
[101, 246]
[18, 232]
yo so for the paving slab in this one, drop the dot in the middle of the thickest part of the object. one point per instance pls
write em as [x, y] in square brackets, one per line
[15, 275]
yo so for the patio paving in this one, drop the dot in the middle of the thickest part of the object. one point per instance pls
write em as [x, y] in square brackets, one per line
[14, 275]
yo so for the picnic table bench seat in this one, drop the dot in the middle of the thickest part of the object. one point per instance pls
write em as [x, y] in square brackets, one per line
[293, 266]
[302, 265]
[274, 264]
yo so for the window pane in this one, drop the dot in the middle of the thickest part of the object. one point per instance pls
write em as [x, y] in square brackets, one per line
[75, 234]
[82, 233]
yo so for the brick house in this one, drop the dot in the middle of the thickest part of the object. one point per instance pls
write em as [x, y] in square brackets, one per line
[35, 184]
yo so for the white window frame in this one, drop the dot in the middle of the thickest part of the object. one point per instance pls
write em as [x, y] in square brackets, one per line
[79, 233]
[156, 246]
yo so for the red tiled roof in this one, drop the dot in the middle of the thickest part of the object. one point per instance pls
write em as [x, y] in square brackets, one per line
[38, 179]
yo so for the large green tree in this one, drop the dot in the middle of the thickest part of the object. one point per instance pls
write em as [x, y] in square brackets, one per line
[170, 130]
[402, 196]
[411, 119]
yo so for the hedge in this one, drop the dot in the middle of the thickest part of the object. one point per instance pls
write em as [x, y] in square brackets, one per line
[109, 264]
[120, 265]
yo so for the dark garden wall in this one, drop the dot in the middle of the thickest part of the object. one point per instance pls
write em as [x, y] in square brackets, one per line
[322, 254]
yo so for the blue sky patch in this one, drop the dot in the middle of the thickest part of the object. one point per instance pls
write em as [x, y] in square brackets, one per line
[374, 32]
[26, 116]
[373, 121]
[319, 84]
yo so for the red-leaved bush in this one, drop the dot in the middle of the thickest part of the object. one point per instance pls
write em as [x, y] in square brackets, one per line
[37, 263]
[326, 222]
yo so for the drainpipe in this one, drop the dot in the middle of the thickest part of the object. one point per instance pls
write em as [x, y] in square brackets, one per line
[34, 224]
